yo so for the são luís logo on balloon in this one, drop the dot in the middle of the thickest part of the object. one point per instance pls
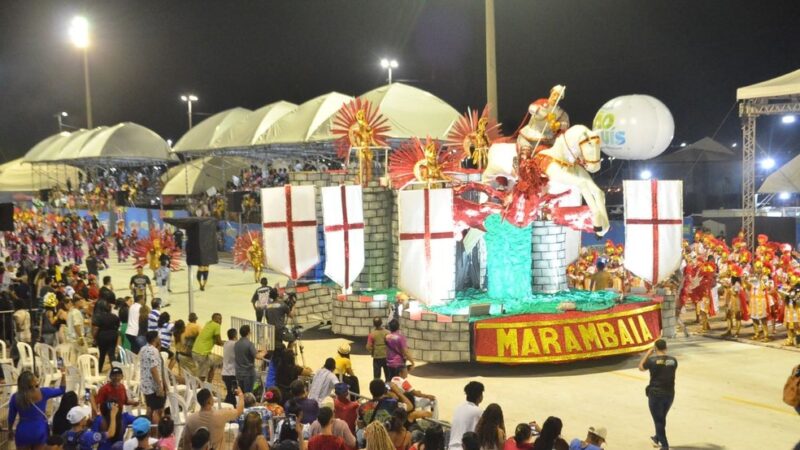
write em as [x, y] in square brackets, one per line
[634, 127]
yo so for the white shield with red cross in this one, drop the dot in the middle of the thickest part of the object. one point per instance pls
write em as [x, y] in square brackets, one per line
[343, 219]
[289, 221]
[427, 244]
[653, 228]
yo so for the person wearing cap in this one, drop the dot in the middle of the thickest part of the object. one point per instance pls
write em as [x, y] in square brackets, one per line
[80, 437]
[141, 435]
[661, 389]
[595, 438]
[344, 407]
[114, 390]
[344, 368]
[323, 382]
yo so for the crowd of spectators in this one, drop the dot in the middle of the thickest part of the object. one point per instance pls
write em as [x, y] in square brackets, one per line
[97, 190]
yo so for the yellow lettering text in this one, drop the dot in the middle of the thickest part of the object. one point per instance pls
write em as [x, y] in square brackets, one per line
[549, 338]
[507, 341]
[624, 335]
[646, 336]
[635, 331]
[607, 334]
[571, 341]
[529, 344]
[589, 336]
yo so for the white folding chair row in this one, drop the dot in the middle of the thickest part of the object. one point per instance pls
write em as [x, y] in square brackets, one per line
[46, 353]
[90, 373]
[179, 410]
[5, 358]
[26, 357]
[192, 386]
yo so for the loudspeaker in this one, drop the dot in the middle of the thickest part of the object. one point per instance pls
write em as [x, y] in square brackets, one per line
[234, 201]
[122, 198]
[6, 217]
[44, 195]
[201, 240]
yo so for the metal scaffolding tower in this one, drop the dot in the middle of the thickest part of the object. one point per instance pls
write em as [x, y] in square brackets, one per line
[749, 111]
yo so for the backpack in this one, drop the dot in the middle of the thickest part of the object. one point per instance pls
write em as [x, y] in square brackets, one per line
[791, 390]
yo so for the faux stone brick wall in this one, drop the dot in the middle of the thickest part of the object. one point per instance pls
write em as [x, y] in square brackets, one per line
[668, 319]
[549, 253]
[437, 338]
[377, 205]
[313, 303]
[353, 314]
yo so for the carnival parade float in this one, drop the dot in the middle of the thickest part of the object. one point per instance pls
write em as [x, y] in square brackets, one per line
[475, 239]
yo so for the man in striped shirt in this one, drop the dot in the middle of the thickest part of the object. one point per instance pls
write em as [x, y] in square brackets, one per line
[152, 319]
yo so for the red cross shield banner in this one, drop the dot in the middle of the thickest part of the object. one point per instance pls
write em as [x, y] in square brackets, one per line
[427, 244]
[343, 218]
[653, 228]
[290, 229]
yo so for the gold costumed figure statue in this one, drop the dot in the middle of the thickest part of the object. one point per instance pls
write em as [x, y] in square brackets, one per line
[475, 135]
[425, 162]
[249, 252]
[361, 128]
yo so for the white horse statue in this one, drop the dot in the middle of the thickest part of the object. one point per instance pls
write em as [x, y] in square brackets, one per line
[574, 155]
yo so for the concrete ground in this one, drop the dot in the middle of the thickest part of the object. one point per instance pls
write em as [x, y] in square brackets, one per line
[728, 392]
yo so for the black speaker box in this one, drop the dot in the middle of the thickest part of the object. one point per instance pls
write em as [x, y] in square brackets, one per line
[44, 195]
[6, 217]
[234, 201]
[201, 240]
[122, 198]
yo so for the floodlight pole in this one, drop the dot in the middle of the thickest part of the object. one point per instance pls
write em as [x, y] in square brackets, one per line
[491, 62]
[89, 121]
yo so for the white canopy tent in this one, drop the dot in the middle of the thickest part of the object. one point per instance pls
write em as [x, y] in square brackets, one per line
[412, 112]
[43, 146]
[251, 130]
[202, 174]
[782, 86]
[203, 135]
[21, 176]
[785, 179]
[125, 143]
[310, 122]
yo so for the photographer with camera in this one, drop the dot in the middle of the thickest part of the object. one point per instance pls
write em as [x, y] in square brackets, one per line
[277, 312]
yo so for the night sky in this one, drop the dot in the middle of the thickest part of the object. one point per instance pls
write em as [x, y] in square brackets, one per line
[692, 55]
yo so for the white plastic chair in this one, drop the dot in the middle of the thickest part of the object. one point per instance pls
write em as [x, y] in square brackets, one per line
[4, 356]
[192, 386]
[25, 357]
[217, 396]
[179, 410]
[46, 353]
[66, 353]
[88, 367]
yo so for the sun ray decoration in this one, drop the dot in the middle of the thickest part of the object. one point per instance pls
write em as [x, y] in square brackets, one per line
[474, 135]
[148, 250]
[248, 253]
[426, 162]
[360, 126]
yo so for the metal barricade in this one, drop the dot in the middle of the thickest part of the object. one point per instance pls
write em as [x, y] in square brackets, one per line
[263, 333]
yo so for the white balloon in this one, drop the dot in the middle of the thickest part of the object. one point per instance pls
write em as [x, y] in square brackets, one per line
[634, 127]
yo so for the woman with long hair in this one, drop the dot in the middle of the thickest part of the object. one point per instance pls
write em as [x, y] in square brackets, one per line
[377, 437]
[491, 428]
[550, 436]
[183, 353]
[30, 403]
[272, 396]
[251, 434]
[400, 436]
[60, 422]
